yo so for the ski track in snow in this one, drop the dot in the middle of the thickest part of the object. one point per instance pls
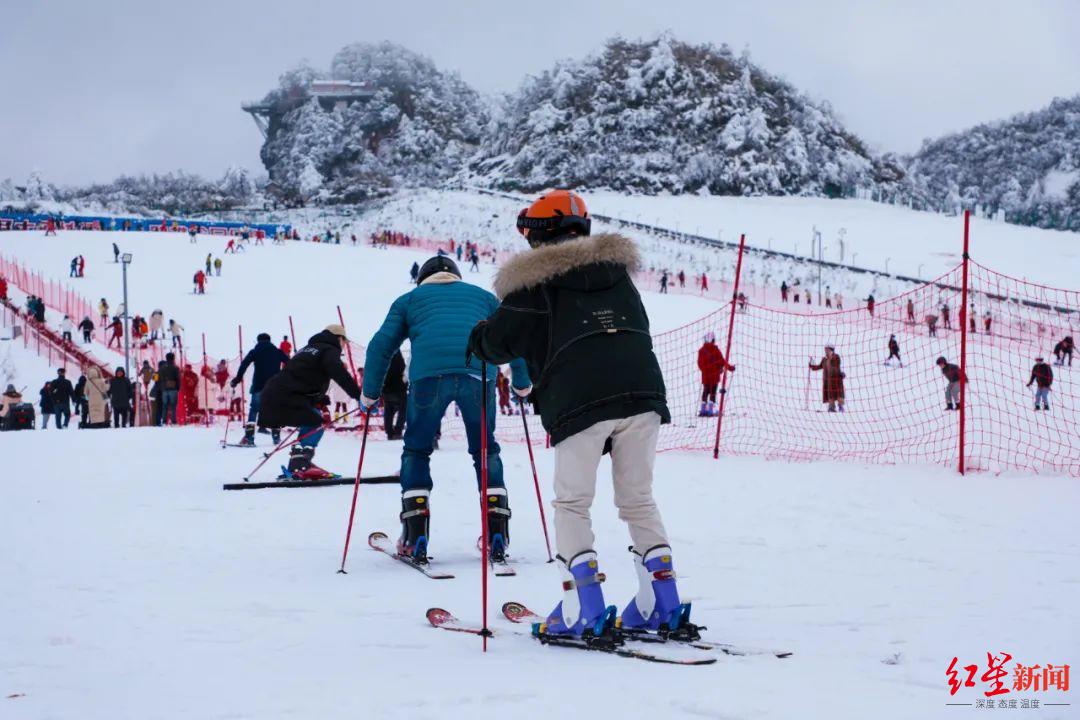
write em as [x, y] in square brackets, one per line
[134, 587]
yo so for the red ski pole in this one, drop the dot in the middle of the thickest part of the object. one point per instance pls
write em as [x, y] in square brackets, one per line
[536, 479]
[484, 550]
[356, 491]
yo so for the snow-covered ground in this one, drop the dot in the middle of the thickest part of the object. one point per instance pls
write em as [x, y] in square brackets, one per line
[139, 589]
[134, 587]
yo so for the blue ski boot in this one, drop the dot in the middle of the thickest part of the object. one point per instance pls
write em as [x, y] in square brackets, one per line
[582, 611]
[656, 607]
[498, 508]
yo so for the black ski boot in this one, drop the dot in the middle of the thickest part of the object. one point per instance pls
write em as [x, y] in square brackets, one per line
[498, 509]
[415, 524]
[249, 435]
[949, 406]
[275, 435]
[300, 458]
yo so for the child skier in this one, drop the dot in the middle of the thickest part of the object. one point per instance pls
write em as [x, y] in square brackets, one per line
[711, 363]
[1043, 377]
[571, 310]
[952, 375]
[894, 352]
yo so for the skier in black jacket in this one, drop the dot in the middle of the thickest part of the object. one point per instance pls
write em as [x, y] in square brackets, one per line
[62, 395]
[293, 396]
[267, 359]
[395, 390]
[570, 309]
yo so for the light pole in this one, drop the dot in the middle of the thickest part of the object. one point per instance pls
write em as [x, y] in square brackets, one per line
[125, 259]
[887, 265]
[919, 274]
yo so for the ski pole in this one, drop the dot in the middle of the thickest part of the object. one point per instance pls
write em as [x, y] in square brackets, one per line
[484, 550]
[228, 422]
[356, 490]
[536, 480]
[288, 439]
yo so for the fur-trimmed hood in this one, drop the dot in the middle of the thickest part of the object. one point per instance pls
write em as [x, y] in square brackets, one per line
[542, 264]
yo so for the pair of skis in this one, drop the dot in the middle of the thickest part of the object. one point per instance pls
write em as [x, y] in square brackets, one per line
[381, 542]
[613, 644]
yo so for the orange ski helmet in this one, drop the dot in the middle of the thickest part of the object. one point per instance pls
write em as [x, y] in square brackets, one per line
[556, 214]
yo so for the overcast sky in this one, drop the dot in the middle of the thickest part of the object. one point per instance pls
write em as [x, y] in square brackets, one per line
[95, 89]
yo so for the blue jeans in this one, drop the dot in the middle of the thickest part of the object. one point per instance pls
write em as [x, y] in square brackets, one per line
[427, 403]
[253, 408]
[1042, 395]
[168, 405]
[309, 440]
[63, 417]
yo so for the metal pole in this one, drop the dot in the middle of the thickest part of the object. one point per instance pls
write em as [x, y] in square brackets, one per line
[127, 338]
[963, 342]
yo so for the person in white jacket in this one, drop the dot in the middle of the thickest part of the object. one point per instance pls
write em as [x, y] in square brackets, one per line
[66, 328]
[177, 332]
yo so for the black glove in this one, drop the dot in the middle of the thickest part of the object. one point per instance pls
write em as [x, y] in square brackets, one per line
[475, 337]
[235, 382]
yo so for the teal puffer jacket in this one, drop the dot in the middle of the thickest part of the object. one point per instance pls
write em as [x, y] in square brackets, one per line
[436, 317]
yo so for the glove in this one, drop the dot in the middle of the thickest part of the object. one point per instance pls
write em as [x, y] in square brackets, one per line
[475, 336]
[235, 382]
[523, 393]
[367, 404]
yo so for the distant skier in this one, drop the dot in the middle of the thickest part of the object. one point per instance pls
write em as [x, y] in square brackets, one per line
[267, 361]
[682, 279]
[839, 301]
[82, 266]
[169, 378]
[987, 322]
[121, 398]
[911, 311]
[87, 327]
[209, 264]
[783, 291]
[894, 351]
[176, 330]
[217, 267]
[292, 396]
[436, 317]
[502, 386]
[193, 234]
[117, 337]
[285, 346]
[931, 325]
[971, 319]
[50, 227]
[414, 271]
[66, 329]
[200, 283]
[74, 267]
[230, 247]
[946, 321]
[61, 392]
[870, 304]
[156, 319]
[474, 261]
[116, 253]
[952, 375]
[48, 409]
[663, 282]
[832, 379]
[103, 310]
[1063, 349]
[556, 313]
[1043, 377]
[711, 363]
[704, 283]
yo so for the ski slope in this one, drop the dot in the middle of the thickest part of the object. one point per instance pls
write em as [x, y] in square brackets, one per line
[259, 288]
[135, 588]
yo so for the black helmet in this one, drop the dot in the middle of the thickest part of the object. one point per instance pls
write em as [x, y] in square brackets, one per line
[941, 360]
[437, 264]
[262, 337]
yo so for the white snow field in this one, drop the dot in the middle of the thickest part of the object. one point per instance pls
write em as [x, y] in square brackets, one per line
[135, 587]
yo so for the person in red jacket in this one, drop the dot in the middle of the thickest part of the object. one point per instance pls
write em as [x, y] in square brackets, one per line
[50, 226]
[285, 346]
[3, 289]
[704, 283]
[503, 387]
[117, 333]
[189, 386]
[711, 363]
[200, 282]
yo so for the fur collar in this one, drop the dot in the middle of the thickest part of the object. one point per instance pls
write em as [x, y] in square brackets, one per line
[441, 278]
[539, 265]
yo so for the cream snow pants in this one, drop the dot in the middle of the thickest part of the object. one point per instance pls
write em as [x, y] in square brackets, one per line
[633, 455]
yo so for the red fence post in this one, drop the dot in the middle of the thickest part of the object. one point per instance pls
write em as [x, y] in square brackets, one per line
[292, 333]
[727, 351]
[963, 342]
